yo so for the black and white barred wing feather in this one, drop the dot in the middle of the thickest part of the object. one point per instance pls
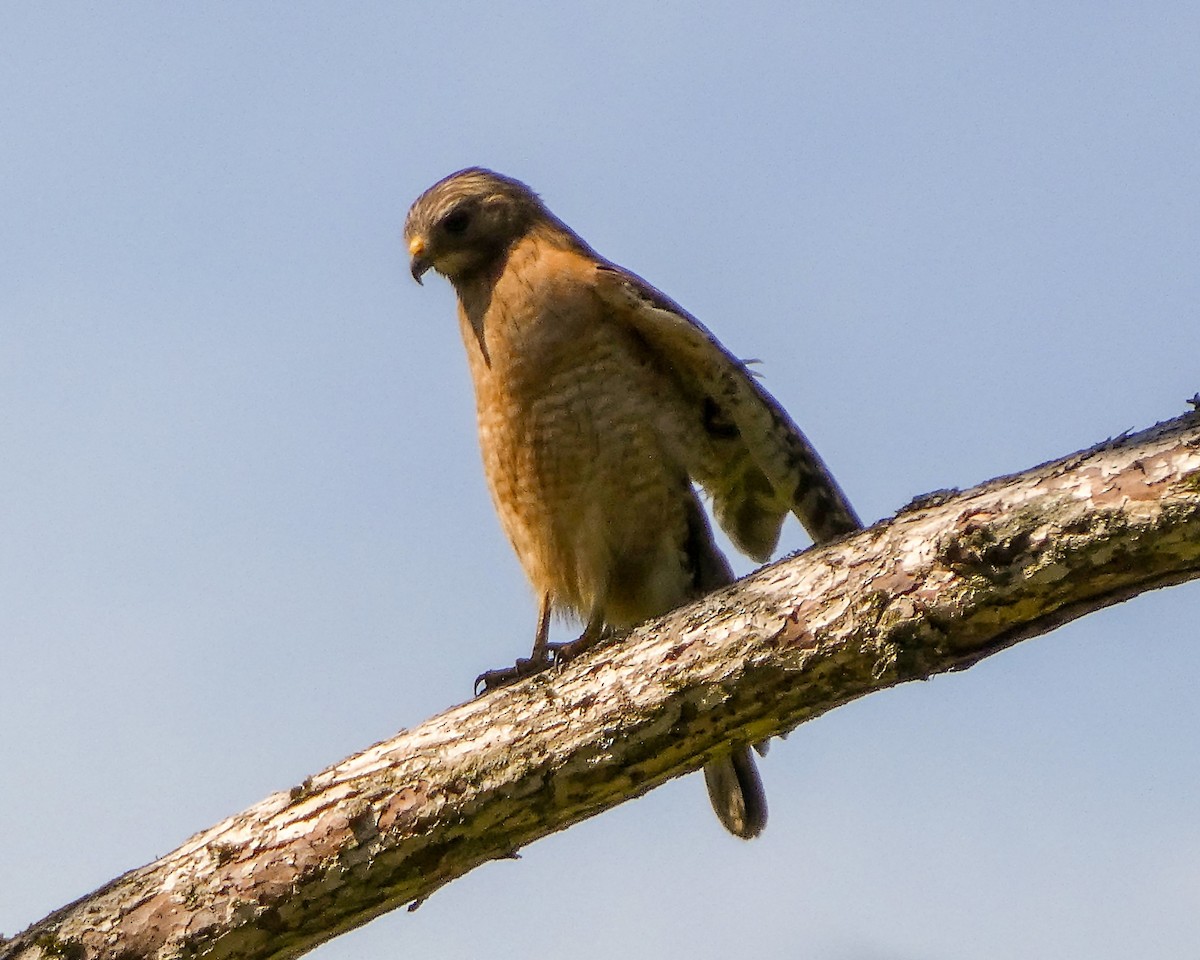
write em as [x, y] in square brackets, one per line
[756, 464]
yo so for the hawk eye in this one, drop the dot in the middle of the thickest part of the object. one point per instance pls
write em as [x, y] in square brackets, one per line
[456, 221]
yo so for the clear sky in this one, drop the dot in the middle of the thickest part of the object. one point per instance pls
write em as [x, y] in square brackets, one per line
[243, 523]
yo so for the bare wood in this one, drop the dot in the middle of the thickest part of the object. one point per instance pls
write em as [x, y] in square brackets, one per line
[950, 580]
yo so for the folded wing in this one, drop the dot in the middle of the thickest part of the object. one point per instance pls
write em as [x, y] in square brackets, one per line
[756, 464]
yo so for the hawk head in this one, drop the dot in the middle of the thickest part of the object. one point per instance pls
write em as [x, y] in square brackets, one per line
[464, 224]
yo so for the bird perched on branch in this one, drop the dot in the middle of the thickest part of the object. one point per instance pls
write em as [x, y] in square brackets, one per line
[600, 404]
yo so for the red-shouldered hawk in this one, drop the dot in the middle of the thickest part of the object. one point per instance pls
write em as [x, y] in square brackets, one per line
[600, 403]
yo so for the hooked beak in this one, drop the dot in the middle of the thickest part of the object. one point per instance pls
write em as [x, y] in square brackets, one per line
[418, 262]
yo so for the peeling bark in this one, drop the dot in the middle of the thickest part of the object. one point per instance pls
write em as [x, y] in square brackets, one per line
[953, 578]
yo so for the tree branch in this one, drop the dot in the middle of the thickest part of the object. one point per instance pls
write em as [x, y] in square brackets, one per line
[953, 578]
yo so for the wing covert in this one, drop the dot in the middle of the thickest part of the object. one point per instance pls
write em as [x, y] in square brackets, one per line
[760, 466]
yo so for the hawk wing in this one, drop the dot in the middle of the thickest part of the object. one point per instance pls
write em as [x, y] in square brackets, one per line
[758, 465]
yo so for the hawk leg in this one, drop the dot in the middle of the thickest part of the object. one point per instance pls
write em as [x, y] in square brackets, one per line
[538, 660]
[544, 654]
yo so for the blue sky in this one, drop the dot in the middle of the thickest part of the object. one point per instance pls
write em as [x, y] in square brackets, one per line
[244, 524]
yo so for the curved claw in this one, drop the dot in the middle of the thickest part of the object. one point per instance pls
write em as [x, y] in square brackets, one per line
[551, 655]
[503, 676]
